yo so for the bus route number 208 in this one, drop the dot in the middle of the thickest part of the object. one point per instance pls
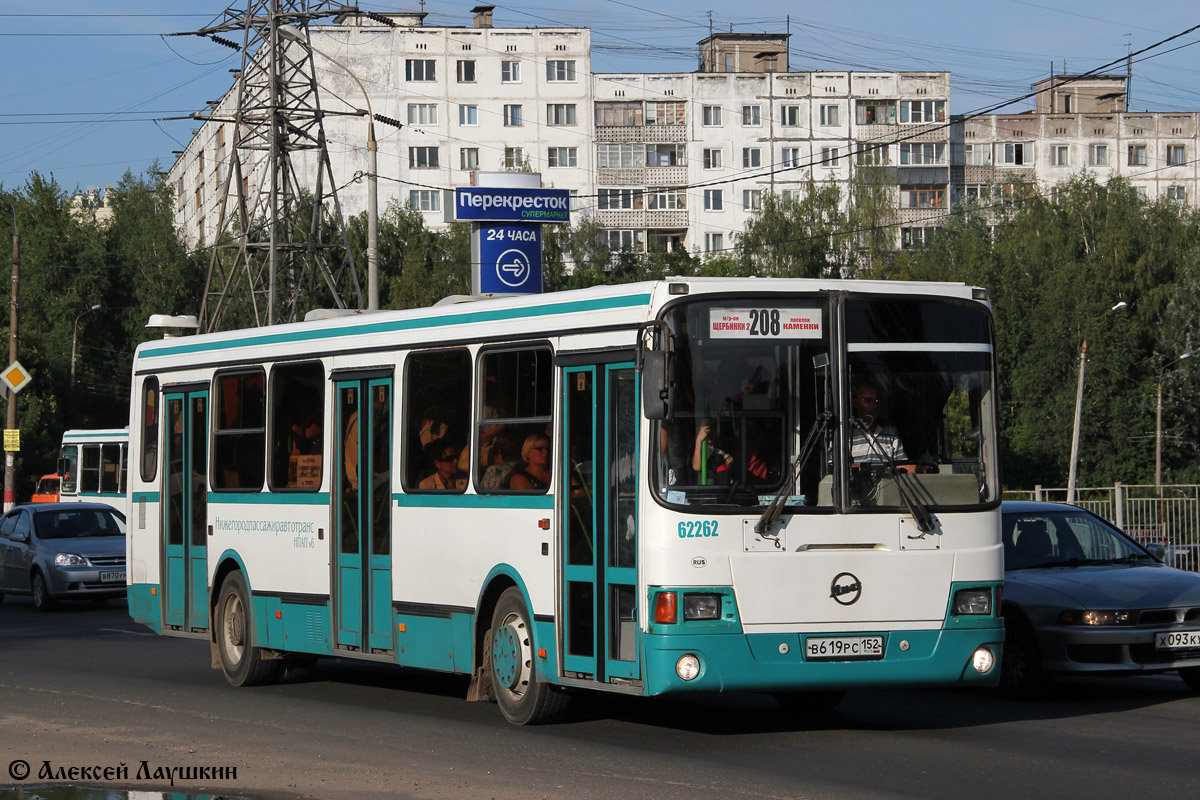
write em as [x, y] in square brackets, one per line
[697, 529]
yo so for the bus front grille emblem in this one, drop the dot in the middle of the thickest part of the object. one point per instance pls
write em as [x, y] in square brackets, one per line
[846, 588]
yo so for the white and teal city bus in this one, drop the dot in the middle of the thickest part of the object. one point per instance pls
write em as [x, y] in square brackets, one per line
[649, 488]
[92, 466]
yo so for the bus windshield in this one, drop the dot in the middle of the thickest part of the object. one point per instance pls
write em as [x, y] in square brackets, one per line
[904, 412]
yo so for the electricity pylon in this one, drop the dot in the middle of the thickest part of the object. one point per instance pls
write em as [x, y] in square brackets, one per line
[280, 242]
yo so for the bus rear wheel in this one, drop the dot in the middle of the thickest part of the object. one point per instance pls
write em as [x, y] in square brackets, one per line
[523, 699]
[241, 661]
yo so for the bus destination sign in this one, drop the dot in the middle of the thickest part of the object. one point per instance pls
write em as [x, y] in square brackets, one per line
[764, 323]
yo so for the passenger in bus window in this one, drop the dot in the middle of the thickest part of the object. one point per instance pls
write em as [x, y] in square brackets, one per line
[504, 455]
[533, 474]
[873, 442]
[709, 459]
[446, 477]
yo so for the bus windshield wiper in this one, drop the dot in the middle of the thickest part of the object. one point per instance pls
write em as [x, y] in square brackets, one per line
[771, 514]
[905, 484]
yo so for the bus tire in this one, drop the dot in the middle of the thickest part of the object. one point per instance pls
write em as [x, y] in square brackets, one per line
[241, 661]
[523, 699]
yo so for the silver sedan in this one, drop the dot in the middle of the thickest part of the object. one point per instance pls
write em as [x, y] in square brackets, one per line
[57, 551]
[1081, 597]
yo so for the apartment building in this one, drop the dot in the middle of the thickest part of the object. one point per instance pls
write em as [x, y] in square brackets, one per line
[668, 160]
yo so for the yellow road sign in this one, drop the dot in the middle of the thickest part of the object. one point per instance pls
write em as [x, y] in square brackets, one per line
[15, 377]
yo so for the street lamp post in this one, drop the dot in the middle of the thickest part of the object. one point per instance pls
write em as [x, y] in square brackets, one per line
[372, 173]
[1158, 422]
[1073, 470]
[75, 337]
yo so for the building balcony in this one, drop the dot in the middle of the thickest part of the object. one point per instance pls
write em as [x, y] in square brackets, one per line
[638, 218]
[641, 133]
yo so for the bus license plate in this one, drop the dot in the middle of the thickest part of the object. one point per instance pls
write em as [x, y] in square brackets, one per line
[106, 577]
[843, 648]
[1177, 640]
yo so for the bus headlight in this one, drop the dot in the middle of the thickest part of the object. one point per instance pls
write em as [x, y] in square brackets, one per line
[701, 606]
[973, 601]
[687, 667]
[983, 660]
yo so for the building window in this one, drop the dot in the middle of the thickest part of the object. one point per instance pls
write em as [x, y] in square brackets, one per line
[514, 157]
[560, 114]
[714, 242]
[871, 154]
[751, 116]
[916, 237]
[922, 196]
[975, 193]
[666, 199]
[468, 115]
[422, 114]
[512, 115]
[712, 158]
[790, 157]
[751, 157]
[468, 158]
[665, 113]
[563, 157]
[829, 115]
[1099, 155]
[510, 71]
[621, 114]
[977, 155]
[829, 156]
[626, 240]
[917, 153]
[425, 199]
[789, 116]
[1017, 154]
[466, 71]
[1177, 193]
[619, 199]
[422, 157]
[1142, 192]
[420, 69]
[1175, 155]
[714, 200]
[618, 156]
[560, 71]
[711, 116]
[752, 199]
[666, 155]
[875, 112]
[1060, 155]
[916, 111]
[1137, 155]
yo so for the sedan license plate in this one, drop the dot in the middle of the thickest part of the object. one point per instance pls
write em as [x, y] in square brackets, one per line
[843, 648]
[1177, 640]
[106, 577]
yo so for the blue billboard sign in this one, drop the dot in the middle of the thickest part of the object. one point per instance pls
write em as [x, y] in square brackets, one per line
[483, 204]
[510, 259]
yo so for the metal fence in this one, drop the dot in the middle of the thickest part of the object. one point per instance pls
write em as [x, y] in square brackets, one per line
[1148, 513]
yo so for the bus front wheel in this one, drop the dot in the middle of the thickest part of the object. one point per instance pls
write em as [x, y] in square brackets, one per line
[523, 699]
[241, 661]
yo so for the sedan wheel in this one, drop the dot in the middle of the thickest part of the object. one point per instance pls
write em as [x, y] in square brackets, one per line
[1021, 669]
[42, 600]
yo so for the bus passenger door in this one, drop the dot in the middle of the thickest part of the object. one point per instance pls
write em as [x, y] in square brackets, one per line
[362, 594]
[599, 551]
[185, 577]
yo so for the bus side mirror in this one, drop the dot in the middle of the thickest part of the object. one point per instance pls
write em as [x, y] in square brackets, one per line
[656, 385]
[61, 468]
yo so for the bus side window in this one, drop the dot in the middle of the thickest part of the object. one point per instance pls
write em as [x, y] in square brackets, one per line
[149, 430]
[110, 468]
[297, 436]
[514, 420]
[239, 435]
[89, 469]
[437, 394]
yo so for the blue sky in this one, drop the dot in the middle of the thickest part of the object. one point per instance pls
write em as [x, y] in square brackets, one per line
[86, 81]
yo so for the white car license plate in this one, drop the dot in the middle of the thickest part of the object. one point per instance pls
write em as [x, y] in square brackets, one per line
[105, 577]
[843, 648]
[1177, 640]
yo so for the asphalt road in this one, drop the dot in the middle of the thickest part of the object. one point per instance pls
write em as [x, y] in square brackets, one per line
[86, 687]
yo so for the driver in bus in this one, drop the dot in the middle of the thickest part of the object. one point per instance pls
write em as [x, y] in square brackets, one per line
[873, 442]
